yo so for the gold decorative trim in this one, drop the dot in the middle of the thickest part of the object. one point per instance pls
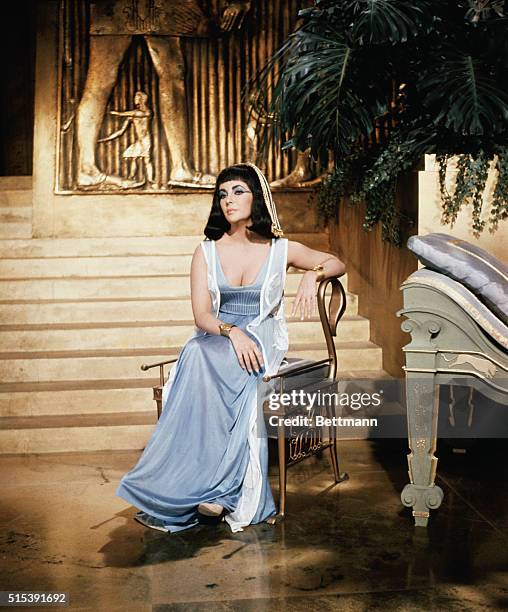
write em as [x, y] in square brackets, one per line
[420, 514]
[480, 354]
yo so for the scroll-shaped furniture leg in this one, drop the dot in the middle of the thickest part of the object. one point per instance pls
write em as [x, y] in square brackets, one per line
[422, 397]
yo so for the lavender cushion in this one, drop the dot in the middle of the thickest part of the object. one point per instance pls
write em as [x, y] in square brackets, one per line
[480, 272]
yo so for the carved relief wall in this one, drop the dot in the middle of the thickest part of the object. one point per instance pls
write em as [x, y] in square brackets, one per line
[150, 91]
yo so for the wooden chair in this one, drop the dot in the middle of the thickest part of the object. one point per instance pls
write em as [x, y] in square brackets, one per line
[295, 445]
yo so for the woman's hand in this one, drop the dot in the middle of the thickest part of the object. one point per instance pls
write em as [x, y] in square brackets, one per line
[302, 257]
[247, 351]
[306, 298]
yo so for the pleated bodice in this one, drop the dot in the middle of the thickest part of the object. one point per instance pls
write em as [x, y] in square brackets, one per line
[242, 300]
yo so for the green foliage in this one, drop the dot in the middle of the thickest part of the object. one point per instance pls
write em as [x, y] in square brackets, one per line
[434, 69]
[463, 97]
[499, 208]
[373, 180]
[470, 183]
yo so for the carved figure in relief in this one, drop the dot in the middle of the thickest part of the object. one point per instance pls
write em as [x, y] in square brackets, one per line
[478, 363]
[162, 23]
[140, 149]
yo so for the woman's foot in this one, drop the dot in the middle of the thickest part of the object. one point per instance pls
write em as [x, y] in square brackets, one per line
[150, 521]
[209, 509]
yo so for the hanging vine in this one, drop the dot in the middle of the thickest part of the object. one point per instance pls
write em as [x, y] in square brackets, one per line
[472, 172]
[499, 209]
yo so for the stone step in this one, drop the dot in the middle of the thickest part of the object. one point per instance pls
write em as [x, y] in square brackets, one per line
[126, 246]
[16, 230]
[110, 287]
[96, 267]
[121, 431]
[99, 247]
[15, 183]
[99, 431]
[16, 198]
[12, 199]
[78, 397]
[125, 364]
[60, 337]
[84, 267]
[106, 397]
[15, 214]
[142, 310]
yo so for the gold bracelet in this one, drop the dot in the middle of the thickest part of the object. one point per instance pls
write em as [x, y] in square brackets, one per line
[225, 328]
[320, 272]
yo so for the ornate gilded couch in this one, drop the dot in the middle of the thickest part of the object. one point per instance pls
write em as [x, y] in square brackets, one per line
[456, 310]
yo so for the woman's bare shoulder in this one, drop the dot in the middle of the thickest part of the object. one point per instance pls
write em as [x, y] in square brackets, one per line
[198, 254]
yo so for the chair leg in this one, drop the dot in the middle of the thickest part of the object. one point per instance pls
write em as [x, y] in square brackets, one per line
[157, 396]
[332, 434]
[281, 443]
[335, 463]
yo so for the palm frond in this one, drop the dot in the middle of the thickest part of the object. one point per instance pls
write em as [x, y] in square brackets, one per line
[314, 98]
[380, 21]
[464, 98]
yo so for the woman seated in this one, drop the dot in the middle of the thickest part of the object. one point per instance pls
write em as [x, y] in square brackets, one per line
[208, 455]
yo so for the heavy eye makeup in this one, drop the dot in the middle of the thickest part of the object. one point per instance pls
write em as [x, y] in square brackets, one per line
[238, 190]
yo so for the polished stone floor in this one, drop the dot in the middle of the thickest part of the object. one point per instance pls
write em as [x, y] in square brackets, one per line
[346, 547]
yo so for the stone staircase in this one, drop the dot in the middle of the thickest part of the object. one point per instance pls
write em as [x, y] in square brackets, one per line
[79, 316]
[15, 207]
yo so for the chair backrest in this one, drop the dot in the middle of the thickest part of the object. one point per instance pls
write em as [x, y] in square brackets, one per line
[330, 317]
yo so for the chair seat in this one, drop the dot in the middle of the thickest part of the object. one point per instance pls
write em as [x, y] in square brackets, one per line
[307, 380]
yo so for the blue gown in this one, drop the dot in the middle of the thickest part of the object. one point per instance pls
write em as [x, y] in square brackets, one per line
[199, 451]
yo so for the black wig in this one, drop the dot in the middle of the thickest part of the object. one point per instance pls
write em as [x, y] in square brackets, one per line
[261, 221]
